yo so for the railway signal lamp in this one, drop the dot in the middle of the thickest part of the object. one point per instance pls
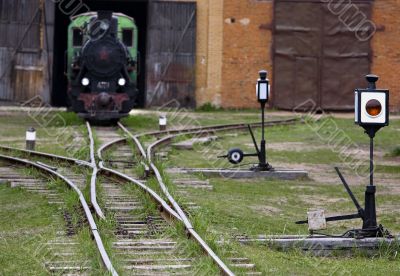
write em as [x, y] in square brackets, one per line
[263, 87]
[235, 156]
[371, 107]
[30, 138]
[371, 111]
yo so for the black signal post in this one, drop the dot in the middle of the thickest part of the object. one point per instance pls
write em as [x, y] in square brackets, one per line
[236, 155]
[262, 97]
[371, 113]
[372, 108]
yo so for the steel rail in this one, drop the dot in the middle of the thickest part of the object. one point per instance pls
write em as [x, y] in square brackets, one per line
[48, 155]
[93, 195]
[201, 131]
[224, 268]
[178, 214]
[189, 227]
[213, 127]
[135, 140]
[93, 227]
[138, 183]
[144, 187]
[108, 145]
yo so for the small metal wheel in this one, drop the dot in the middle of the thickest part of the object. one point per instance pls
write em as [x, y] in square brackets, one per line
[235, 156]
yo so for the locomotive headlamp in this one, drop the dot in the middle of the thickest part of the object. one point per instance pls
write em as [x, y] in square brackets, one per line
[372, 105]
[263, 87]
[121, 82]
[85, 81]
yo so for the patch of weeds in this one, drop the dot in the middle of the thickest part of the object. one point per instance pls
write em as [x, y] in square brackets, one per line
[29, 226]
[140, 122]
[387, 169]
[69, 118]
[395, 152]
[149, 206]
[82, 153]
[209, 107]
[89, 251]
[139, 169]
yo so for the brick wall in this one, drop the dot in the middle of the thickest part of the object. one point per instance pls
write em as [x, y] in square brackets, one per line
[386, 48]
[246, 49]
[234, 41]
[209, 51]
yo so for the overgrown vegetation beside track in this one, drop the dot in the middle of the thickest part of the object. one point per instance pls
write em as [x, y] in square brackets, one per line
[236, 207]
[270, 207]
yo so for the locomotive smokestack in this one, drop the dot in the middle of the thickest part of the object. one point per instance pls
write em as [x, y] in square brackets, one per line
[107, 16]
[104, 15]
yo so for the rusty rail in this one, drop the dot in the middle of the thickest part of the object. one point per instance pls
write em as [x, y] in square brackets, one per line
[161, 202]
[192, 131]
[93, 195]
[93, 227]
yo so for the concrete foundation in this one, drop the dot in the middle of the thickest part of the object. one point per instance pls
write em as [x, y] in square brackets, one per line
[323, 245]
[282, 174]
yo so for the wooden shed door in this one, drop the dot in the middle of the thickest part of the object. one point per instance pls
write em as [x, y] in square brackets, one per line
[171, 50]
[318, 57]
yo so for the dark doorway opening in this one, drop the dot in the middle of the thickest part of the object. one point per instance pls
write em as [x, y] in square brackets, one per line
[136, 9]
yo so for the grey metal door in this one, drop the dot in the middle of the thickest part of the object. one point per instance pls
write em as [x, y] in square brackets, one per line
[318, 59]
[171, 50]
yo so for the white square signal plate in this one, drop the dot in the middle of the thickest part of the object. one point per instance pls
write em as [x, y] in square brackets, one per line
[316, 220]
[365, 117]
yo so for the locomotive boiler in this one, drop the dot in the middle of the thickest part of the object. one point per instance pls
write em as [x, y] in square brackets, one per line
[102, 60]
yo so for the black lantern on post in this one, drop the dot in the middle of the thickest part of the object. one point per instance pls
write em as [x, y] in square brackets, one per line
[236, 155]
[263, 88]
[371, 113]
[262, 97]
[371, 109]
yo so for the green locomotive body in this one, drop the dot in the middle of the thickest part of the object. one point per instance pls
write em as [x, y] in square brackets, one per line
[102, 65]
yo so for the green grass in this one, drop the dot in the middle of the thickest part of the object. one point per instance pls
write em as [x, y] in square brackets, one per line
[209, 107]
[26, 224]
[387, 169]
[395, 152]
[141, 122]
[323, 143]
[61, 119]
[234, 206]
[256, 207]
[54, 131]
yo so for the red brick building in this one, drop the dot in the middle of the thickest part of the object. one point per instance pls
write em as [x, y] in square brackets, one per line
[356, 37]
[314, 50]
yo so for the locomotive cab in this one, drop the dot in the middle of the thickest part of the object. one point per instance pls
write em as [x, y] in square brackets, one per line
[102, 75]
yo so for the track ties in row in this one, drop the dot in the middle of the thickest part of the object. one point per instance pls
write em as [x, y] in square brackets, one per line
[63, 253]
[141, 244]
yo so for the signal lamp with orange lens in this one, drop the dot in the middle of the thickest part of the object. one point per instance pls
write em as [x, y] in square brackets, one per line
[371, 105]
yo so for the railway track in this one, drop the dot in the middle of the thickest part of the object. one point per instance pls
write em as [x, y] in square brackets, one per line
[64, 246]
[63, 254]
[149, 154]
[143, 241]
[123, 162]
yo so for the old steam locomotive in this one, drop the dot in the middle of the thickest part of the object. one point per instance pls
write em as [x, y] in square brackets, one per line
[102, 61]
